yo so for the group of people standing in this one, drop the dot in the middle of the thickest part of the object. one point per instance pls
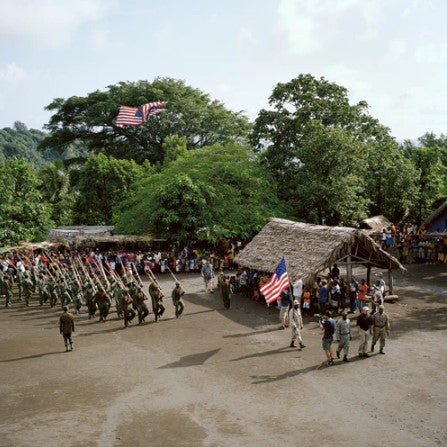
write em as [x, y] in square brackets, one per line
[87, 279]
[83, 279]
[414, 244]
[374, 322]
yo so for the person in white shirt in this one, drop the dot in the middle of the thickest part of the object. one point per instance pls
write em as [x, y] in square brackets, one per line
[297, 288]
[20, 267]
[381, 283]
[296, 324]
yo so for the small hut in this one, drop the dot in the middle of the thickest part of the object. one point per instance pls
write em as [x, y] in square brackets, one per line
[375, 224]
[310, 249]
[61, 233]
[437, 221]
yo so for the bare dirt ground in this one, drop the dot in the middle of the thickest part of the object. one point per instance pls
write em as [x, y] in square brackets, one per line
[219, 377]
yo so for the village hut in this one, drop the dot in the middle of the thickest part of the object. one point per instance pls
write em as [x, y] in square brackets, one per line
[102, 238]
[61, 233]
[437, 221]
[375, 224]
[311, 249]
[126, 242]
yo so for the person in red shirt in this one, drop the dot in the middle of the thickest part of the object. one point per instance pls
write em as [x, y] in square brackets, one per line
[361, 294]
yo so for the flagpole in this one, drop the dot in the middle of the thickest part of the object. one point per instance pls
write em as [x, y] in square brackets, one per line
[290, 292]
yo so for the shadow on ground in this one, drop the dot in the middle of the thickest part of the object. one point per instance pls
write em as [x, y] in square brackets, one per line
[275, 378]
[191, 360]
[34, 356]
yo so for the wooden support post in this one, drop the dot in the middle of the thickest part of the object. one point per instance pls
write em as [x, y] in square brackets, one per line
[368, 274]
[390, 282]
[348, 268]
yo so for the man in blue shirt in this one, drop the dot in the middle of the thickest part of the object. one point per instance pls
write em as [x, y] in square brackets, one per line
[323, 295]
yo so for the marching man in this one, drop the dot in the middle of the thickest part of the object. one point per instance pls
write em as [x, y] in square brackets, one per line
[296, 323]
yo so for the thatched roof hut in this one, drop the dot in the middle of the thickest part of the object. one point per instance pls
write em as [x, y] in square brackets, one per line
[375, 224]
[310, 249]
[437, 221]
[61, 233]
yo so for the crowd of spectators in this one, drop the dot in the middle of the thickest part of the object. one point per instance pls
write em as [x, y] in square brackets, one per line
[415, 244]
[189, 259]
[333, 293]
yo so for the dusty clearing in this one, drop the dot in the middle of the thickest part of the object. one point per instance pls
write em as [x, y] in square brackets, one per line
[224, 378]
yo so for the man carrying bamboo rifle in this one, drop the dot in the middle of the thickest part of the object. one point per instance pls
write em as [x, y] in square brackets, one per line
[103, 302]
[138, 299]
[126, 306]
[177, 300]
[157, 300]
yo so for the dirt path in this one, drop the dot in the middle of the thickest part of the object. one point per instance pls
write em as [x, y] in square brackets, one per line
[224, 378]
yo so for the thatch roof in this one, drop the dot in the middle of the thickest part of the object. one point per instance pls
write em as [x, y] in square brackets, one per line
[74, 231]
[309, 249]
[375, 224]
[30, 246]
[114, 239]
[438, 212]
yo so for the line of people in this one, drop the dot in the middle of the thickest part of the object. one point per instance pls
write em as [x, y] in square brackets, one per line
[84, 282]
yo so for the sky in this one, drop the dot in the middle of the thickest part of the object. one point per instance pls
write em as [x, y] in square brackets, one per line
[391, 53]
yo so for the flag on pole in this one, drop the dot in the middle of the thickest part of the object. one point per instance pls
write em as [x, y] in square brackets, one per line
[129, 116]
[152, 108]
[134, 116]
[277, 283]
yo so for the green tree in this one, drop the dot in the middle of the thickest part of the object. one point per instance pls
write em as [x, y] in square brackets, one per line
[56, 190]
[24, 216]
[298, 103]
[391, 180]
[21, 142]
[305, 109]
[102, 182]
[210, 193]
[174, 147]
[328, 177]
[190, 113]
[431, 180]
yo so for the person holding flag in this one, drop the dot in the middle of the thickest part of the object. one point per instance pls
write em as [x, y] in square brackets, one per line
[276, 284]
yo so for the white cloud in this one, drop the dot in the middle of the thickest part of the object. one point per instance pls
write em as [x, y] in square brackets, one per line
[307, 24]
[52, 23]
[398, 47]
[12, 73]
[246, 37]
[431, 53]
[354, 80]
[299, 30]
[100, 37]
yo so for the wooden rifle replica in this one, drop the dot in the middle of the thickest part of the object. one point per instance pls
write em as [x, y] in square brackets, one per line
[139, 281]
[153, 279]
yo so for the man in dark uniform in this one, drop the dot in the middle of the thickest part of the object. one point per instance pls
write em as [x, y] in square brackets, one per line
[138, 299]
[6, 288]
[225, 291]
[66, 327]
[126, 306]
[27, 285]
[103, 302]
[90, 301]
[177, 300]
[157, 300]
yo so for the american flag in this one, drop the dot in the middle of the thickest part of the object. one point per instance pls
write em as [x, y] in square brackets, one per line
[129, 116]
[134, 116]
[277, 283]
[152, 108]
